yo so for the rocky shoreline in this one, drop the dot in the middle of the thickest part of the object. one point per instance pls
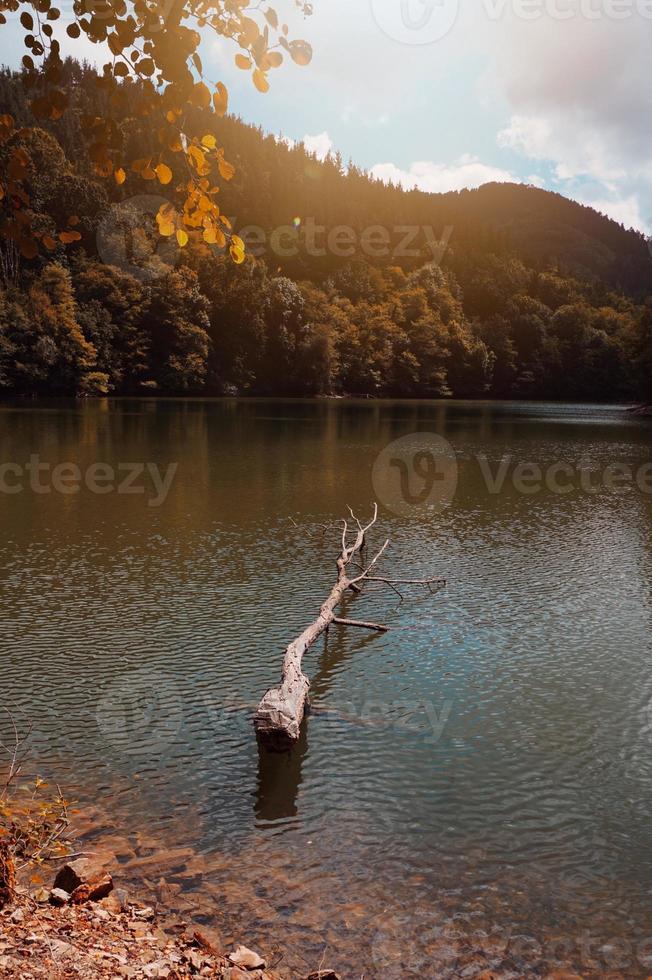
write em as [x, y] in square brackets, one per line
[84, 927]
[128, 902]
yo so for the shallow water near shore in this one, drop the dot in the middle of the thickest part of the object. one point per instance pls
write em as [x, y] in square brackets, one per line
[471, 790]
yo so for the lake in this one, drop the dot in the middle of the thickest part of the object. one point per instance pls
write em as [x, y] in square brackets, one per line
[472, 789]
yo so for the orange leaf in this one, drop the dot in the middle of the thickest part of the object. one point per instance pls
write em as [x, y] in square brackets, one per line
[163, 173]
[201, 96]
[301, 52]
[28, 248]
[237, 254]
[221, 100]
[227, 170]
[260, 81]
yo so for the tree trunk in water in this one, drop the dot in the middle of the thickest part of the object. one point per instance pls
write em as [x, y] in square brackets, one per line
[279, 715]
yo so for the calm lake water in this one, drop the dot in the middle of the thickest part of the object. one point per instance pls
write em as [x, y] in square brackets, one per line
[472, 789]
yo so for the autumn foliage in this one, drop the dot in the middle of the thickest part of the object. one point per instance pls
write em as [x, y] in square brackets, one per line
[154, 65]
[33, 818]
[534, 296]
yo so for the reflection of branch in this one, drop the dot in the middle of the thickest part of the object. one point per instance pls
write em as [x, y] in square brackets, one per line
[434, 580]
[280, 713]
[393, 582]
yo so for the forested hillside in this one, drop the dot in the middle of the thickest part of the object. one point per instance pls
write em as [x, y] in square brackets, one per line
[350, 286]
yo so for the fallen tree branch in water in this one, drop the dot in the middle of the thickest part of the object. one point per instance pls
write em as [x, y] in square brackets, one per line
[378, 627]
[279, 715]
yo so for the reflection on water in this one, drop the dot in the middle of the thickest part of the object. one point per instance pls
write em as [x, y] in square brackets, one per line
[471, 790]
[279, 779]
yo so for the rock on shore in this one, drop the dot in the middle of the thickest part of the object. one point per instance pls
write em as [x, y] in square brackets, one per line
[83, 928]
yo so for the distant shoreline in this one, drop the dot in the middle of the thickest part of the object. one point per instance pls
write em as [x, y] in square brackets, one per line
[632, 407]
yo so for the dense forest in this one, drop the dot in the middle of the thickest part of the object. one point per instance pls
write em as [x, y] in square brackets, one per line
[350, 286]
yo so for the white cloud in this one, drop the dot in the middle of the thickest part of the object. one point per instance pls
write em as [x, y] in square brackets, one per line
[321, 145]
[569, 99]
[467, 172]
[586, 169]
[554, 138]
[579, 98]
[529, 135]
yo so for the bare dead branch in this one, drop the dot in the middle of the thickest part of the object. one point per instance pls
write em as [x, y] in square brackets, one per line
[378, 627]
[374, 561]
[17, 753]
[278, 718]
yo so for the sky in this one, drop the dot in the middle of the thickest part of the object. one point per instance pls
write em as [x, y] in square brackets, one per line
[446, 94]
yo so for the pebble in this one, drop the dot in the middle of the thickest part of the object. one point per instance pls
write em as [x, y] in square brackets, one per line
[58, 896]
[247, 958]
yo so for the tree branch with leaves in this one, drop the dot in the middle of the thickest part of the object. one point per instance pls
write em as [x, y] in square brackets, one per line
[34, 820]
[153, 61]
